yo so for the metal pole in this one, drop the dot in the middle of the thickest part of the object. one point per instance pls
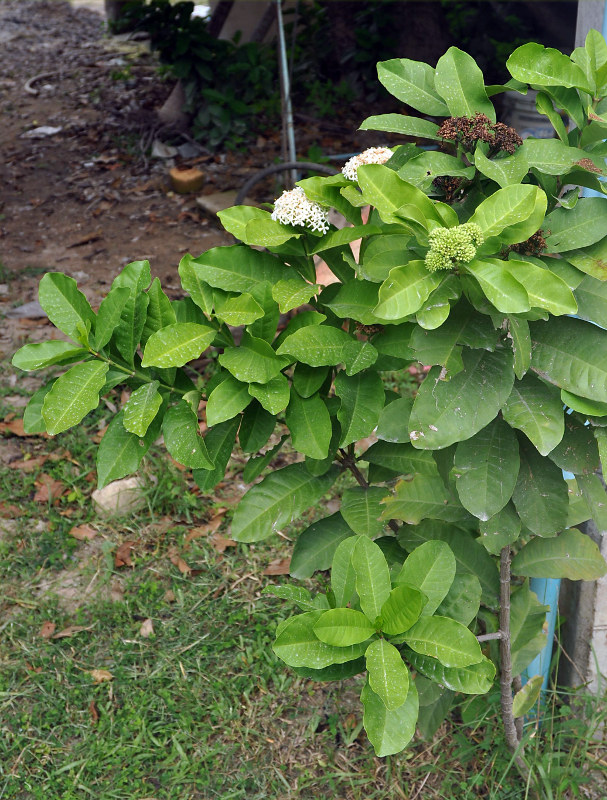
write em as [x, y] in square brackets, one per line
[287, 111]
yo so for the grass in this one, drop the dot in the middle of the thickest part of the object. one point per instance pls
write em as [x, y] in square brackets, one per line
[201, 708]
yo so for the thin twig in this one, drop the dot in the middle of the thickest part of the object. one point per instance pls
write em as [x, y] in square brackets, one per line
[488, 637]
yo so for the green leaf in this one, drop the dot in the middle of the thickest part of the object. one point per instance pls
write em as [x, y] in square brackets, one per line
[545, 66]
[423, 496]
[186, 310]
[316, 345]
[583, 405]
[591, 296]
[486, 468]
[571, 229]
[388, 193]
[361, 508]
[121, 452]
[227, 400]
[252, 361]
[372, 577]
[437, 307]
[445, 412]
[591, 260]
[571, 555]
[362, 399]
[527, 618]
[463, 599]
[553, 157]
[422, 170]
[292, 293]
[273, 395]
[335, 672]
[141, 408]
[160, 312]
[127, 335]
[433, 714]
[518, 331]
[33, 421]
[73, 395]
[397, 123]
[502, 529]
[109, 314]
[309, 422]
[193, 282]
[499, 286]
[256, 428]
[402, 609]
[295, 594]
[504, 171]
[343, 627]
[268, 233]
[544, 289]
[47, 354]
[510, 213]
[354, 300]
[393, 421]
[255, 466]
[431, 569]
[343, 236]
[412, 82]
[571, 354]
[315, 547]
[327, 192]
[389, 731]
[470, 555]
[359, 356]
[577, 452]
[473, 679]
[593, 492]
[444, 639]
[279, 499]
[234, 269]
[540, 495]
[527, 697]
[66, 306]
[236, 218]
[536, 409]
[405, 290]
[343, 576]
[308, 380]
[182, 438]
[177, 344]
[460, 83]
[404, 459]
[298, 646]
[388, 675]
[240, 310]
[219, 441]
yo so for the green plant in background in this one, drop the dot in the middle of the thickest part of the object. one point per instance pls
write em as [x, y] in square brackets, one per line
[473, 259]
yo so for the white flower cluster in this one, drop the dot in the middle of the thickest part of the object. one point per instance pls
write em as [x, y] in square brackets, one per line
[373, 155]
[294, 208]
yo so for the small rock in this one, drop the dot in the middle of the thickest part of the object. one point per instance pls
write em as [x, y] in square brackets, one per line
[32, 310]
[42, 132]
[119, 497]
[162, 150]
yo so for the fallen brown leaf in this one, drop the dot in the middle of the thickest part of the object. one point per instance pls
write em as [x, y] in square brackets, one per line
[94, 712]
[9, 511]
[28, 464]
[147, 629]
[169, 596]
[99, 435]
[220, 542]
[208, 527]
[89, 237]
[49, 489]
[84, 533]
[71, 630]
[47, 629]
[100, 675]
[117, 592]
[280, 566]
[178, 561]
[122, 557]
[15, 426]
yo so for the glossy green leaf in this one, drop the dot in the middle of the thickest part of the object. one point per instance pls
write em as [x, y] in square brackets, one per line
[73, 395]
[536, 409]
[160, 312]
[402, 609]
[500, 530]
[388, 193]
[121, 452]
[577, 452]
[460, 83]
[486, 468]
[505, 171]
[252, 361]
[571, 555]
[571, 229]
[388, 675]
[405, 291]
[219, 442]
[412, 82]
[445, 412]
[233, 269]
[389, 731]
[372, 576]
[463, 599]
[126, 338]
[292, 293]
[315, 547]
[236, 218]
[510, 213]
[540, 495]
[472, 679]
[583, 405]
[335, 672]
[359, 356]
[403, 459]
[518, 330]
[593, 492]
[545, 66]
[343, 576]
[109, 314]
[309, 422]
[298, 646]
[240, 310]
[444, 639]
[343, 627]
[553, 157]
[256, 427]
[182, 438]
[344, 236]
[527, 697]
[361, 508]
[424, 168]
[47, 354]
[527, 634]
[316, 345]
[423, 496]
[177, 344]
[393, 421]
[278, 500]
[226, 400]
[431, 569]
[499, 285]
[437, 307]
[433, 714]
[592, 260]
[141, 408]
[295, 594]
[33, 421]
[192, 277]
[255, 466]
[308, 380]
[544, 289]
[66, 306]
[362, 399]
[268, 233]
[273, 395]
[354, 300]
[591, 296]
[397, 123]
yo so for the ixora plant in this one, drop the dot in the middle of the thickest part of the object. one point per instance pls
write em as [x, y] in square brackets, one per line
[480, 259]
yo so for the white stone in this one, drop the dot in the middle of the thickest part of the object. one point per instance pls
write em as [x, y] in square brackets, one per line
[119, 497]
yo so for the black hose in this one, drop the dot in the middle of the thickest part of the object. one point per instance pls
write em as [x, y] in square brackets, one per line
[309, 166]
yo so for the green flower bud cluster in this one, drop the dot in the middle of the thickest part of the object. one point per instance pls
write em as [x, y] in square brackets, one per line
[452, 246]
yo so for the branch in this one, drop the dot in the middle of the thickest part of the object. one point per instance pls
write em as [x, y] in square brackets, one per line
[349, 462]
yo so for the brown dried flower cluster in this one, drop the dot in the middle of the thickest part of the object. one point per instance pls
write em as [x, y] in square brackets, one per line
[450, 186]
[534, 246]
[470, 130]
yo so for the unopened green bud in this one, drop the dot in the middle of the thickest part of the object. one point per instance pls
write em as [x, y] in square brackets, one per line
[452, 246]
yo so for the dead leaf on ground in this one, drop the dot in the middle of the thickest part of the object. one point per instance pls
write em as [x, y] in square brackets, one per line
[280, 566]
[178, 561]
[49, 489]
[9, 511]
[89, 237]
[94, 712]
[117, 592]
[15, 426]
[122, 557]
[147, 629]
[84, 533]
[28, 464]
[99, 435]
[169, 596]
[47, 629]
[71, 630]
[100, 675]
[220, 542]
[208, 527]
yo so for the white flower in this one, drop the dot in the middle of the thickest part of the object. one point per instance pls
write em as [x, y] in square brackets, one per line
[294, 208]
[373, 155]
